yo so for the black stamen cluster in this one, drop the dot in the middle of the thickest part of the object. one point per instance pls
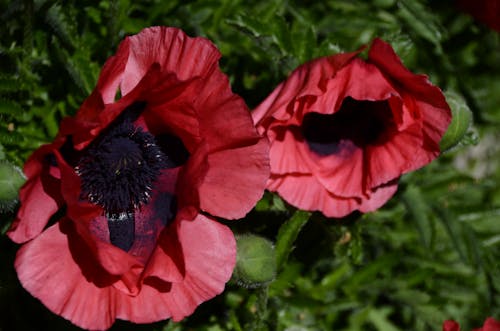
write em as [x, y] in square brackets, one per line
[119, 169]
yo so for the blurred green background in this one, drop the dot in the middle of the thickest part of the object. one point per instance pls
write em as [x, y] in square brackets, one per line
[432, 253]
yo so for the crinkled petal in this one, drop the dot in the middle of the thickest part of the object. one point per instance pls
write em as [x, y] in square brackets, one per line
[435, 122]
[307, 80]
[383, 56]
[398, 155]
[191, 176]
[235, 180]
[225, 121]
[305, 192]
[46, 268]
[286, 153]
[172, 49]
[373, 86]
[209, 253]
[40, 196]
[170, 109]
[342, 173]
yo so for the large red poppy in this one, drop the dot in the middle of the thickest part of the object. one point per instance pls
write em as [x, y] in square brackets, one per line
[343, 130]
[118, 209]
[489, 325]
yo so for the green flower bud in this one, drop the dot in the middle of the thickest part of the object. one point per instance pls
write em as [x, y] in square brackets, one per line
[461, 120]
[255, 261]
[11, 179]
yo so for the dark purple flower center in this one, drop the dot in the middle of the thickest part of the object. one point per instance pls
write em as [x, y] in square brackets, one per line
[118, 173]
[119, 169]
[360, 123]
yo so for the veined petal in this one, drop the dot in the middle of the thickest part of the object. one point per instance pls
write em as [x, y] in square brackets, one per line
[47, 268]
[172, 49]
[209, 254]
[40, 196]
[235, 180]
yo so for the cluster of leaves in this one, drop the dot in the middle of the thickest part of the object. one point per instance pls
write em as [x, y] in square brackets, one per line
[430, 254]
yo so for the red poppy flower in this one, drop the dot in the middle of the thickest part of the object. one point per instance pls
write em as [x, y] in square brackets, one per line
[343, 130]
[132, 183]
[489, 325]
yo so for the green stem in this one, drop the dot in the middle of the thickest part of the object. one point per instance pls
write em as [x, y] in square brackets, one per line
[261, 309]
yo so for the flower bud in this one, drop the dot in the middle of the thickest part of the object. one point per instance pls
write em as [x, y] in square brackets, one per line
[255, 261]
[461, 120]
[11, 179]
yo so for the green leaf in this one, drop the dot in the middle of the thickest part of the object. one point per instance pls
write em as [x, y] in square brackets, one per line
[287, 235]
[417, 207]
[420, 21]
[11, 179]
[379, 318]
[460, 123]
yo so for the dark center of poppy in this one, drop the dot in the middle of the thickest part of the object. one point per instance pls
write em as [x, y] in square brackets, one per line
[360, 123]
[118, 172]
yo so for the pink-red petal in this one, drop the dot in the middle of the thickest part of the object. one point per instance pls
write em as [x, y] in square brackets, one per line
[309, 79]
[235, 180]
[40, 196]
[209, 252]
[287, 153]
[47, 269]
[383, 56]
[305, 192]
[55, 269]
[172, 49]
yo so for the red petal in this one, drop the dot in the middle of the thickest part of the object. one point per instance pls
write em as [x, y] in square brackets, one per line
[305, 192]
[451, 326]
[287, 153]
[342, 173]
[400, 154]
[307, 80]
[190, 178]
[40, 196]
[50, 268]
[372, 87]
[209, 254]
[112, 73]
[235, 180]
[47, 269]
[435, 123]
[152, 217]
[170, 109]
[173, 50]
[167, 261]
[225, 121]
[384, 57]
[490, 325]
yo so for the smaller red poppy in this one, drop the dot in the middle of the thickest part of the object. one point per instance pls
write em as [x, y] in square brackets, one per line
[343, 130]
